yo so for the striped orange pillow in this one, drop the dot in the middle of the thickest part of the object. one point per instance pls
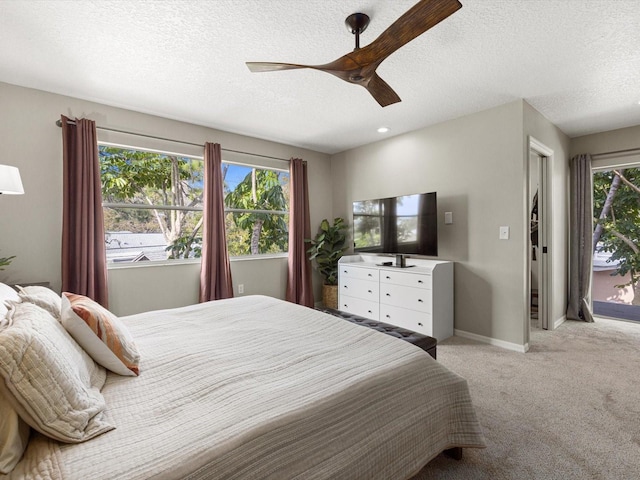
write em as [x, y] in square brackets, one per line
[100, 333]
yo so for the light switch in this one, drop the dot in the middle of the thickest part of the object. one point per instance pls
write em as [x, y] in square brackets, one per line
[504, 233]
[448, 218]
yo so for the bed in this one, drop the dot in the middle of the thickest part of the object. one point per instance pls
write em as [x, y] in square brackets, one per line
[259, 388]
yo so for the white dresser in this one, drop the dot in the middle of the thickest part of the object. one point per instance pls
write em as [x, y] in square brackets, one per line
[419, 297]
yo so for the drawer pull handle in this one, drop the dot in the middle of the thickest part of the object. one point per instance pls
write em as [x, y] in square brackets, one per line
[345, 271]
[345, 305]
[388, 316]
[369, 275]
[369, 311]
[420, 300]
[420, 281]
[388, 294]
[345, 286]
[420, 324]
[369, 291]
[388, 277]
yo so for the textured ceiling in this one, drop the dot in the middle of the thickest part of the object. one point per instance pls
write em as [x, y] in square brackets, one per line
[576, 61]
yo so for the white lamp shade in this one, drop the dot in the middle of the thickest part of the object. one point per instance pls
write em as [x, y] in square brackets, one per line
[10, 183]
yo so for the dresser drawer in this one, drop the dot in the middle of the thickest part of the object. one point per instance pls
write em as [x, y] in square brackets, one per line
[365, 289]
[358, 306]
[417, 321]
[406, 297]
[417, 280]
[347, 271]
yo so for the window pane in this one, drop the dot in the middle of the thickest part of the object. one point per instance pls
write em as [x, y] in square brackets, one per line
[268, 186]
[134, 235]
[251, 233]
[257, 192]
[139, 177]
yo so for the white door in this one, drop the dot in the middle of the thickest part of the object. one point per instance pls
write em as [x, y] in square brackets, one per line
[538, 256]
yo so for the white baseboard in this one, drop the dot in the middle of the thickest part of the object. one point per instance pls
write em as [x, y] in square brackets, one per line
[559, 321]
[492, 341]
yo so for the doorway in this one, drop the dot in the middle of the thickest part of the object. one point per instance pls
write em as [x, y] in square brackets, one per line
[538, 284]
[615, 280]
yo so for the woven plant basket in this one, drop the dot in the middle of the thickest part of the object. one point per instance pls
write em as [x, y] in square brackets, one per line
[330, 296]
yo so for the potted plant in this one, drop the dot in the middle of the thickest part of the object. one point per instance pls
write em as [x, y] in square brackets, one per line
[6, 261]
[326, 249]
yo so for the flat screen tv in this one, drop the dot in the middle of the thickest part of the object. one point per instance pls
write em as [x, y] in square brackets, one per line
[406, 224]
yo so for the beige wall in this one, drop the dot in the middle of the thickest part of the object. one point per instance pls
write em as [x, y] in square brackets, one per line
[604, 142]
[476, 165]
[31, 223]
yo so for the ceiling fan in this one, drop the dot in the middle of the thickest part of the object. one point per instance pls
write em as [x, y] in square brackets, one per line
[359, 66]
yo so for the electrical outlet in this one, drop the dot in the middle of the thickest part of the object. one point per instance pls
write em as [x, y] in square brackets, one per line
[241, 288]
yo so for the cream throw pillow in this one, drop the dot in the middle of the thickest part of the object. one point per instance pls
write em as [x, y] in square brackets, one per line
[14, 436]
[48, 379]
[6, 294]
[101, 334]
[43, 297]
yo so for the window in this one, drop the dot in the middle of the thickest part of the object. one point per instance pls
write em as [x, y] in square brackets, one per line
[615, 284]
[153, 206]
[257, 205]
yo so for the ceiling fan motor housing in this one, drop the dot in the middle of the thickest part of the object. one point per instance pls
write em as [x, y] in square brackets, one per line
[357, 23]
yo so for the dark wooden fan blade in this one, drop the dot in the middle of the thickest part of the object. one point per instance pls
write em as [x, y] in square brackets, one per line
[417, 20]
[271, 67]
[381, 91]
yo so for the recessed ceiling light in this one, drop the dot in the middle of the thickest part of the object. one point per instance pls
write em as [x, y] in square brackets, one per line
[383, 130]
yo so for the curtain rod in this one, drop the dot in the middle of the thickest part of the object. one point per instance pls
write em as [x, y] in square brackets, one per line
[616, 152]
[59, 124]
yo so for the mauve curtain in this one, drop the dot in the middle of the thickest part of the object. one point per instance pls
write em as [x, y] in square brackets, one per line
[581, 238]
[299, 285]
[84, 263]
[215, 273]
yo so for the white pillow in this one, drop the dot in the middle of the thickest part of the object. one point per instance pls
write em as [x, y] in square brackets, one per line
[6, 293]
[48, 379]
[14, 436]
[43, 297]
[102, 335]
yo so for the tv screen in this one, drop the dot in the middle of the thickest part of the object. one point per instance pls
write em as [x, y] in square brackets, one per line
[406, 224]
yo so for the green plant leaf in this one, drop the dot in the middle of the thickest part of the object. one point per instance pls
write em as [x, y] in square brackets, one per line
[328, 247]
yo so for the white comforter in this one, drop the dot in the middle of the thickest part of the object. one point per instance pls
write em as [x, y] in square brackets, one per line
[257, 388]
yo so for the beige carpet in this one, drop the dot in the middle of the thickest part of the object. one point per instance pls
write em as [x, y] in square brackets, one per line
[567, 409]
